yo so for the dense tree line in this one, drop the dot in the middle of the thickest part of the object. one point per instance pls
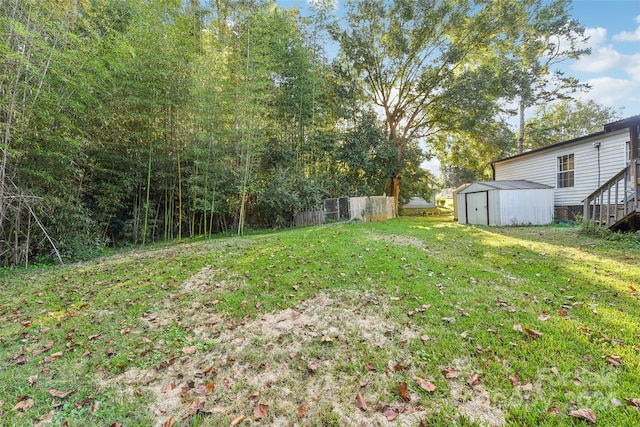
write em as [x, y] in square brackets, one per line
[133, 121]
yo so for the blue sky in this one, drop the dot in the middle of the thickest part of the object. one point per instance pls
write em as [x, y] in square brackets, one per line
[613, 68]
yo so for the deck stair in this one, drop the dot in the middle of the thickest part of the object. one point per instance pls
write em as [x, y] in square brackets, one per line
[614, 205]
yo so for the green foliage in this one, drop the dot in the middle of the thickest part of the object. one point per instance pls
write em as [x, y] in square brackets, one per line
[566, 120]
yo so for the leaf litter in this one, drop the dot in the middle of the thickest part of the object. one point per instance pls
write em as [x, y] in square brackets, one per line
[268, 358]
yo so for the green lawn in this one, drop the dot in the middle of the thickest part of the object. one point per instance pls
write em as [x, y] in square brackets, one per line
[415, 321]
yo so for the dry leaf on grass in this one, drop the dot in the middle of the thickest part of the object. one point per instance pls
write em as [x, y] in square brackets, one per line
[60, 394]
[585, 414]
[390, 415]
[633, 402]
[24, 404]
[533, 333]
[450, 373]
[313, 366]
[402, 387]
[188, 349]
[169, 422]
[473, 380]
[613, 360]
[32, 379]
[361, 403]
[518, 328]
[45, 419]
[236, 421]
[514, 380]
[260, 410]
[302, 410]
[424, 384]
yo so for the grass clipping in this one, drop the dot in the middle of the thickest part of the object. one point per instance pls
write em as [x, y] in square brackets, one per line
[331, 360]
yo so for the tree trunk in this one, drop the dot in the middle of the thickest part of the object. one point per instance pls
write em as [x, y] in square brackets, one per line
[395, 192]
[521, 128]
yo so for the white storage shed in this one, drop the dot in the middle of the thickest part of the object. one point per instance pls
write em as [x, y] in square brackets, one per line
[502, 203]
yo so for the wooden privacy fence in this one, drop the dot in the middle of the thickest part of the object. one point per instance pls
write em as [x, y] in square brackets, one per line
[372, 208]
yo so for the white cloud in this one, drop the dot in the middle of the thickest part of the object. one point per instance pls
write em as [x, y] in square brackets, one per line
[627, 36]
[601, 59]
[597, 37]
[612, 92]
[632, 66]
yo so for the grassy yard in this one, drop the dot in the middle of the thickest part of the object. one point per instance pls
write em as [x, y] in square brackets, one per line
[412, 322]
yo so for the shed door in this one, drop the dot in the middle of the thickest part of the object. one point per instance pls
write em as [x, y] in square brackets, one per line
[477, 209]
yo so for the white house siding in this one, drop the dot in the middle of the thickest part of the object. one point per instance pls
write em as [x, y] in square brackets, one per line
[541, 166]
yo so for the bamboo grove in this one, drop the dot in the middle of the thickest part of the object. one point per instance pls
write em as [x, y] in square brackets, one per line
[136, 121]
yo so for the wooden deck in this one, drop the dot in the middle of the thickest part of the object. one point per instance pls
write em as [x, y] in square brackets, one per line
[615, 204]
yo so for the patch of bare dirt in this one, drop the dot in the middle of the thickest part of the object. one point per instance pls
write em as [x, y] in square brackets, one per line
[474, 402]
[305, 363]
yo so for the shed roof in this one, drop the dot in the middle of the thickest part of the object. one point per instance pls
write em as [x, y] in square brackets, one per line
[517, 184]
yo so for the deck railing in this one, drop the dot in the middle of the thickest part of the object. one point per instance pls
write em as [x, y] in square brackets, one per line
[609, 203]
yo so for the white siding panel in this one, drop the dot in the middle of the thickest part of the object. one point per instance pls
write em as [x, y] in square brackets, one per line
[462, 209]
[526, 206]
[541, 167]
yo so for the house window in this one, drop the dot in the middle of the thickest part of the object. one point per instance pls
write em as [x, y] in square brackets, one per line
[565, 171]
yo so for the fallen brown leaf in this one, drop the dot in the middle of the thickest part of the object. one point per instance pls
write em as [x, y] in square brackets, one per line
[527, 387]
[450, 373]
[424, 337]
[585, 414]
[169, 422]
[188, 349]
[236, 421]
[633, 402]
[361, 403]
[24, 404]
[390, 414]
[424, 384]
[45, 418]
[48, 346]
[168, 387]
[32, 379]
[60, 394]
[302, 410]
[402, 387]
[554, 410]
[517, 328]
[613, 360]
[473, 380]
[260, 410]
[533, 333]
[196, 407]
[514, 380]
[313, 366]
[210, 386]
[52, 357]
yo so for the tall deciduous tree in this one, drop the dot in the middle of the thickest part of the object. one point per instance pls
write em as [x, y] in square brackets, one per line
[423, 63]
[544, 35]
[566, 120]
